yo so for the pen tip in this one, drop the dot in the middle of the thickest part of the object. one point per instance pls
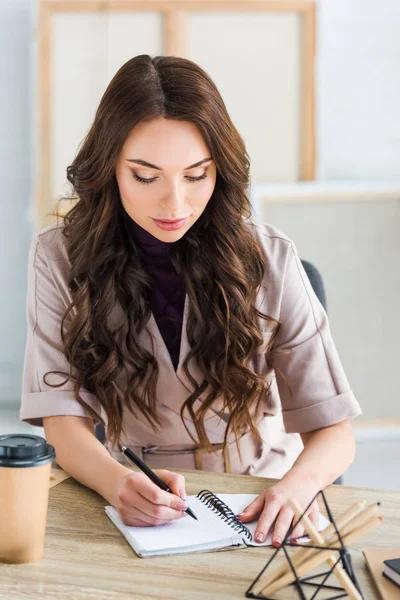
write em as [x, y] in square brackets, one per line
[123, 448]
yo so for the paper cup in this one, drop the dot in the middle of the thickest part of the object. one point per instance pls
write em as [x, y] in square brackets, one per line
[25, 465]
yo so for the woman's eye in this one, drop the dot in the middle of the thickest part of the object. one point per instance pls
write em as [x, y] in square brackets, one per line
[193, 179]
[143, 179]
[147, 180]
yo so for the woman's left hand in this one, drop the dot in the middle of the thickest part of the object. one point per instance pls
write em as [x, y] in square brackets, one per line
[272, 508]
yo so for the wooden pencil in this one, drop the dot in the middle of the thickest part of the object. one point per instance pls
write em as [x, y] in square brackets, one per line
[332, 561]
[264, 586]
[305, 553]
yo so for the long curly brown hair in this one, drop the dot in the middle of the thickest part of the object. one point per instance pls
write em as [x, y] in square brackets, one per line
[219, 258]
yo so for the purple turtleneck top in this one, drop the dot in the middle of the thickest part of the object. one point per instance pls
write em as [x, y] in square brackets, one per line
[168, 296]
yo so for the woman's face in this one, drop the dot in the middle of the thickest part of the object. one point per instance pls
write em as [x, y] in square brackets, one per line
[165, 172]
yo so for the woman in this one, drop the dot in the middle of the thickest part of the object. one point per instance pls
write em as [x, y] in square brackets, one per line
[160, 309]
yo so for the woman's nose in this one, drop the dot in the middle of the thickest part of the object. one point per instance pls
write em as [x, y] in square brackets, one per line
[174, 199]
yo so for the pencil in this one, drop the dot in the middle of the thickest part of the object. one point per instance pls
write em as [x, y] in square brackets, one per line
[267, 589]
[344, 528]
[305, 553]
[132, 457]
[318, 538]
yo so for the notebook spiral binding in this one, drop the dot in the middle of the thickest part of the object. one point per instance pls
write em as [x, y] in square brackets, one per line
[227, 515]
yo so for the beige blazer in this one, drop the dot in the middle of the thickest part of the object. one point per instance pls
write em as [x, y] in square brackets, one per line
[309, 387]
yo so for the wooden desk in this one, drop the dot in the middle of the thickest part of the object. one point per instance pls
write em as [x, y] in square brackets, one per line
[87, 558]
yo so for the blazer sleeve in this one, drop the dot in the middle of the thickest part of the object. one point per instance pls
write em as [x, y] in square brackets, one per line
[312, 384]
[45, 308]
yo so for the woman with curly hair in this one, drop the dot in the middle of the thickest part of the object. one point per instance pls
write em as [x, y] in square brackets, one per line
[160, 309]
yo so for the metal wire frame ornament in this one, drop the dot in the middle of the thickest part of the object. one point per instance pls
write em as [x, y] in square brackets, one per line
[343, 556]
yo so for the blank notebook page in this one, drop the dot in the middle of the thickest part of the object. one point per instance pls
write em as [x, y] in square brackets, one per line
[209, 531]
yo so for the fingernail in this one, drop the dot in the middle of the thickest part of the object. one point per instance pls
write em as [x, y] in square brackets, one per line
[277, 540]
[182, 505]
[182, 494]
[259, 537]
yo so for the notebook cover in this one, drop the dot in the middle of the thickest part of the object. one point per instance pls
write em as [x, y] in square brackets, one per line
[393, 563]
[374, 558]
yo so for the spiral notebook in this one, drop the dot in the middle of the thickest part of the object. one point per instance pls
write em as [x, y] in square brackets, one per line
[217, 527]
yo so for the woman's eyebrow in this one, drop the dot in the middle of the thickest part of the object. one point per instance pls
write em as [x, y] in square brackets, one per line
[144, 163]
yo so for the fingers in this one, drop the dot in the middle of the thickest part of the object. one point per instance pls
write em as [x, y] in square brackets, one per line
[134, 517]
[273, 510]
[313, 515]
[132, 522]
[155, 495]
[157, 511]
[266, 508]
[142, 501]
[251, 512]
[267, 517]
[282, 525]
[298, 531]
[175, 481]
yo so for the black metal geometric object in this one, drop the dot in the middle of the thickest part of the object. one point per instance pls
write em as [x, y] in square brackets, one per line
[343, 556]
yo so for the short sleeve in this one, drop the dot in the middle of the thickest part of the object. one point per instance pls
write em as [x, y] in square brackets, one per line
[45, 308]
[312, 384]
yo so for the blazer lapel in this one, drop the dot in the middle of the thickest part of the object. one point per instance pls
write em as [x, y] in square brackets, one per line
[183, 387]
[174, 387]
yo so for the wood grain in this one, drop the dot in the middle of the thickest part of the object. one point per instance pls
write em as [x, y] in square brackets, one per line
[308, 125]
[86, 557]
[57, 476]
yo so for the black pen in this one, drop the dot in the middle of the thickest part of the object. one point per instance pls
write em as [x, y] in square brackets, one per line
[143, 467]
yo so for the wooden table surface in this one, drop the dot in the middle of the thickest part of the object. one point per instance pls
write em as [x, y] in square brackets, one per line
[87, 558]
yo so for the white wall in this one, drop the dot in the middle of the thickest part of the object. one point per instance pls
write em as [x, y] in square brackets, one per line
[15, 176]
[356, 247]
[358, 89]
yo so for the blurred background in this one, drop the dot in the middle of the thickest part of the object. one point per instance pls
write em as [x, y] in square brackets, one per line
[313, 88]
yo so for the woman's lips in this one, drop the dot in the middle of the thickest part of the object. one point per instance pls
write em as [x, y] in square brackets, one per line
[170, 225]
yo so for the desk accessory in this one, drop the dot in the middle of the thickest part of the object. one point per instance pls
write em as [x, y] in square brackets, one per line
[392, 570]
[332, 548]
[25, 466]
[374, 558]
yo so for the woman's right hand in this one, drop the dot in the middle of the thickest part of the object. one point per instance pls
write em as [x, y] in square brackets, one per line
[141, 503]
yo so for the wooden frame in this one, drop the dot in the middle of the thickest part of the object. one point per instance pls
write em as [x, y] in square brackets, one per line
[319, 191]
[174, 13]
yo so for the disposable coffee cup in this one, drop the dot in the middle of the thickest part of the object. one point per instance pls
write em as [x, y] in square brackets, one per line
[25, 466]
